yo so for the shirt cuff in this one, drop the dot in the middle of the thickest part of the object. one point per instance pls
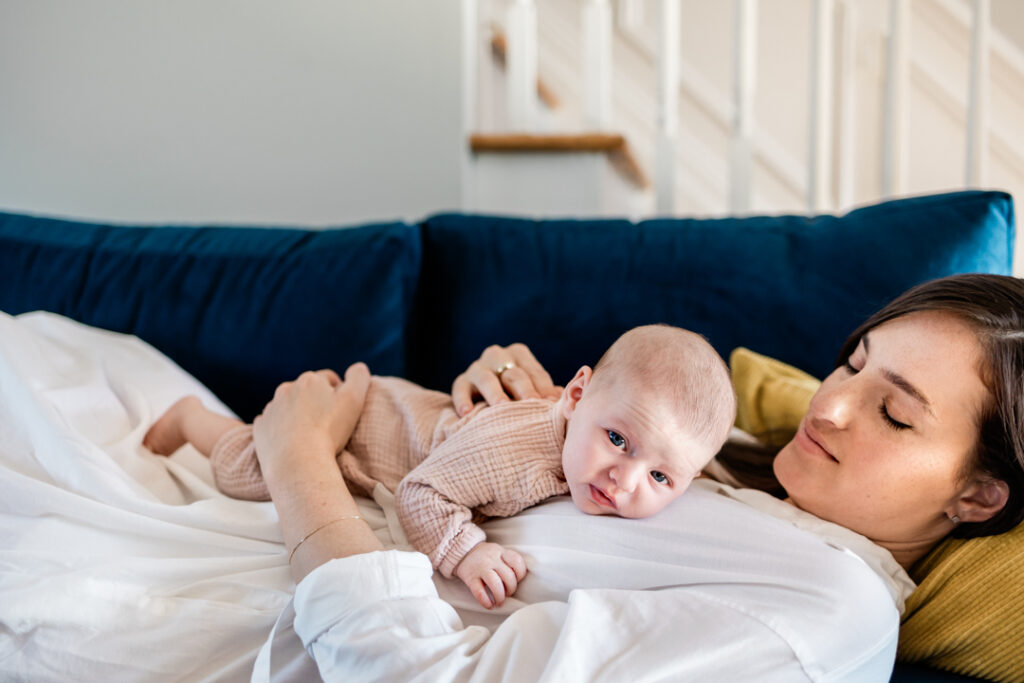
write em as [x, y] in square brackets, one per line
[344, 585]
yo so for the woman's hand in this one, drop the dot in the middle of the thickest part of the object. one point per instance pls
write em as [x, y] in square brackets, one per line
[315, 409]
[296, 439]
[502, 372]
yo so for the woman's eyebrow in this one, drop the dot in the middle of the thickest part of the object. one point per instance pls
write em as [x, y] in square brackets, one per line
[902, 383]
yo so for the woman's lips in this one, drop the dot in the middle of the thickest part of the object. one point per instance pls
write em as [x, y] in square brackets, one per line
[601, 498]
[812, 442]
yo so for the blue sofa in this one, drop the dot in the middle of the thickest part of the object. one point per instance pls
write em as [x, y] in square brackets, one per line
[244, 308]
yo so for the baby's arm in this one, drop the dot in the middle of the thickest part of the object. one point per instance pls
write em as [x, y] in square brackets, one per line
[434, 503]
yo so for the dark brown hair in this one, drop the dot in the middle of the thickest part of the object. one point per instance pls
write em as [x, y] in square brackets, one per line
[993, 306]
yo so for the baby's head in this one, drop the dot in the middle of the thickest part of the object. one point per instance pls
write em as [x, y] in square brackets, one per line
[645, 421]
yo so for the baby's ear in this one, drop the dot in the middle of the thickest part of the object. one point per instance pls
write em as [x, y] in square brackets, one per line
[574, 390]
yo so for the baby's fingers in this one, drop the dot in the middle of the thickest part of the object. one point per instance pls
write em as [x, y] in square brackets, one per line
[496, 584]
[516, 562]
[480, 592]
[509, 580]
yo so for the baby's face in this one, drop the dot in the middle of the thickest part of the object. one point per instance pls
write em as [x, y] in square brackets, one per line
[626, 455]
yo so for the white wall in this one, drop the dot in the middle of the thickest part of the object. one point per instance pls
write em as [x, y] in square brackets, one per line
[308, 112]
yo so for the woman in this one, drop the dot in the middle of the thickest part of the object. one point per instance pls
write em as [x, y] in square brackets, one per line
[916, 435]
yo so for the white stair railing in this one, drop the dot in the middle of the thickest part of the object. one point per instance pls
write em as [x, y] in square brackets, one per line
[846, 116]
[597, 64]
[522, 65]
[977, 98]
[827, 176]
[819, 155]
[741, 149]
[894, 119]
[668, 105]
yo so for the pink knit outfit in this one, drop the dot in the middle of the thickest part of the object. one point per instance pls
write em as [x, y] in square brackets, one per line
[495, 461]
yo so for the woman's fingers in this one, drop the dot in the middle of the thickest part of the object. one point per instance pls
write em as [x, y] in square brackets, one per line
[502, 372]
[539, 379]
[331, 376]
[357, 378]
[478, 380]
[349, 399]
[301, 412]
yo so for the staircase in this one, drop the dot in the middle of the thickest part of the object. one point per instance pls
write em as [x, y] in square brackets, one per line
[937, 36]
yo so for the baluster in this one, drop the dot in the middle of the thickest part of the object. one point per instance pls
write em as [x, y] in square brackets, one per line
[819, 146]
[744, 86]
[470, 95]
[522, 65]
[894, 126]
[631, 13]
[847, 103]
[597, 64]
[978, 95]
[669, 30]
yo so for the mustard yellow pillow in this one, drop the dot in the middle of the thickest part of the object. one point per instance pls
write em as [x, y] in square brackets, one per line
[967, 614]
[772, 396]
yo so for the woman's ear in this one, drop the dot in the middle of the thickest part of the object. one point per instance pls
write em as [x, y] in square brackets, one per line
[982, 500]
[574, 390]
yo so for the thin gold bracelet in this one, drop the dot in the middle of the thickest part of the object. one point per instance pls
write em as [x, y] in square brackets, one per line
[325, 524]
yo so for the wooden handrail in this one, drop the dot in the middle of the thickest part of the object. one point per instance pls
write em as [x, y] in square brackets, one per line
[612, 144]
[527, 142]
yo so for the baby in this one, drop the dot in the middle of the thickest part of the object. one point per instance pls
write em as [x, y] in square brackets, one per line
[625, 438]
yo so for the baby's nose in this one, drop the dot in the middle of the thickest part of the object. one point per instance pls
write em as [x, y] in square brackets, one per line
[627, 477]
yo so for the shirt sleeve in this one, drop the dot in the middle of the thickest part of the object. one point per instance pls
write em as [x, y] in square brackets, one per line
[377, 617]
[491, 464]
[434, 504]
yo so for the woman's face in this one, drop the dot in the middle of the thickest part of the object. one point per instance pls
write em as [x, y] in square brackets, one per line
[882, 448]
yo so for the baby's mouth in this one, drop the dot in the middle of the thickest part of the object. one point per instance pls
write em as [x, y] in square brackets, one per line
[601, 498]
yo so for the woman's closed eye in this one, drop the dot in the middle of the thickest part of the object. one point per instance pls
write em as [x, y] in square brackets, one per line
[890, 420]
[883, 409]
[617, 439]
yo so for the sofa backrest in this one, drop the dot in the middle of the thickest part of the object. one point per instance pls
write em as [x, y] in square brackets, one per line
[241, 309]
[790, 287]
[246, 308]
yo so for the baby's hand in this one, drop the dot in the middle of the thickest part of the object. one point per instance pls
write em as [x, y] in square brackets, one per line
[491, 572]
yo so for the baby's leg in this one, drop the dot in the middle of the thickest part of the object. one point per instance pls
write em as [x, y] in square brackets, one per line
[188, 421]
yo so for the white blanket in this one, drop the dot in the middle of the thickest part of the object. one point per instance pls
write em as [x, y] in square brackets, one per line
[117, 564]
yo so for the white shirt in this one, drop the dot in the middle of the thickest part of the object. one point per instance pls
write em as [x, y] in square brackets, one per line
[731, 587]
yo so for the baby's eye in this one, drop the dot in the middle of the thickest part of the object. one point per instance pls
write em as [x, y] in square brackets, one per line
[659, 477]
[616, 439]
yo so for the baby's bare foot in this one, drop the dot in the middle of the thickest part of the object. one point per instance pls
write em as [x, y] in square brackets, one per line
[168, 433]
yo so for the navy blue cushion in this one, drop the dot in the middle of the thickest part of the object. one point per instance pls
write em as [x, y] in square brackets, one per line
[790, 287]
[242, 309]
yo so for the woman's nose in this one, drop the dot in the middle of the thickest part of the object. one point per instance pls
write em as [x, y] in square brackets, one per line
[834, 403]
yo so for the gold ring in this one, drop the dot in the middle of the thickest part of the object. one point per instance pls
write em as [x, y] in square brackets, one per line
[500, 370]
